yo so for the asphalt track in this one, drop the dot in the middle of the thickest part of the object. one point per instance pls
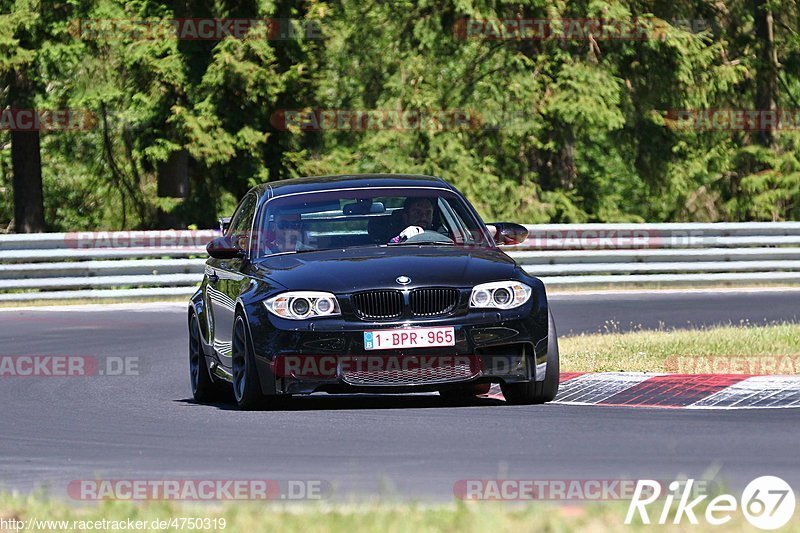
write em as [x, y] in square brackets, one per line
[145, 426]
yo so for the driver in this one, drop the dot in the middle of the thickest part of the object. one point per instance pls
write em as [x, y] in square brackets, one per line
[417, 213]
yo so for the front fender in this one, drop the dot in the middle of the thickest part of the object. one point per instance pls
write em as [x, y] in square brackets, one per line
[542, 317]
[197, 306]
[250, 304]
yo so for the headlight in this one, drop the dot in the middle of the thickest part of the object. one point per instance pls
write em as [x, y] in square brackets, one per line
[299, 305]
[499, 295]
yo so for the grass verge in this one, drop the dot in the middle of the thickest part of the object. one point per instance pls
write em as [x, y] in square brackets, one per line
[311, 517]
[742, 349]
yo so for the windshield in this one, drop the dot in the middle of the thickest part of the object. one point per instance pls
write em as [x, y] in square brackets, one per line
[343, 219]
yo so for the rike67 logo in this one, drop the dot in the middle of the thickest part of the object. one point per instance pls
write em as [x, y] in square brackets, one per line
[767, 502]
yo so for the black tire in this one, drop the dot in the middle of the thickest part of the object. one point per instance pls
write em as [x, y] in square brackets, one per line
[204, 387]
[536, 392]
[246, 386]
[465, 393]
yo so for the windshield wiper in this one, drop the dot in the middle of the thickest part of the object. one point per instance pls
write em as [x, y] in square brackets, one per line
[306, 250]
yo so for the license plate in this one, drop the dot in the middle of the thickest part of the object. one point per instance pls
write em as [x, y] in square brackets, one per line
[390, 339]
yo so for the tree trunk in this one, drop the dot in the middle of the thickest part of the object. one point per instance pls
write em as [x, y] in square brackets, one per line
[767, 71]
[173, 182]
[26, 165]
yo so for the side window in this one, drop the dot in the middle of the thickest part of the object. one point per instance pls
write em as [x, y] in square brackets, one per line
[242, 221]
[455, 218]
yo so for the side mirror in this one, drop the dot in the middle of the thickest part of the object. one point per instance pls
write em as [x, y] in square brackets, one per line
[508, 233]
[223, 248]
[224, 224]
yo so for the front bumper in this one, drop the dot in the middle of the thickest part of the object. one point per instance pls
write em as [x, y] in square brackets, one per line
[302, 357]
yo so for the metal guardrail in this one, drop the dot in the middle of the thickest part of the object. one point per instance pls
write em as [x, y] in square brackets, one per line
[156, 264]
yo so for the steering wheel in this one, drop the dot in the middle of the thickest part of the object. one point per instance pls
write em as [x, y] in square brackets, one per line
[430, 236]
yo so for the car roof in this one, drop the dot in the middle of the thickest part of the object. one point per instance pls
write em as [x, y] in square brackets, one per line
[344, 181]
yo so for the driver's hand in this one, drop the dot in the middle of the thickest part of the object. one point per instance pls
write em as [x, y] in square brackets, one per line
[407, 234]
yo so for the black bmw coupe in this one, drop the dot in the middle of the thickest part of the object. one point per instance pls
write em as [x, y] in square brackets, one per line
[367, 283]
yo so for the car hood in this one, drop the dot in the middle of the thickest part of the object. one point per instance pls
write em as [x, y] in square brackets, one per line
[350, 270]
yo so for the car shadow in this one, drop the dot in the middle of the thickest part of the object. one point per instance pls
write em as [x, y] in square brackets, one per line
[328, 402]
